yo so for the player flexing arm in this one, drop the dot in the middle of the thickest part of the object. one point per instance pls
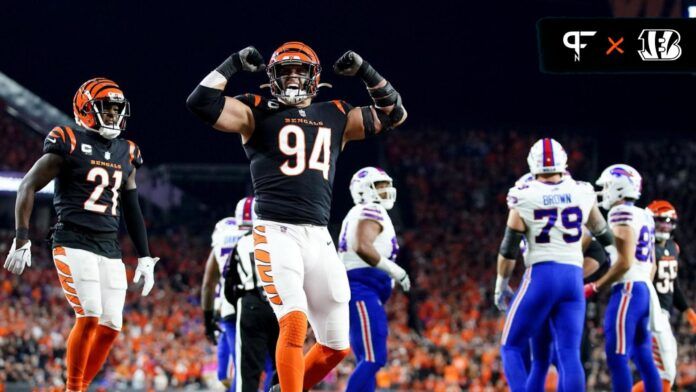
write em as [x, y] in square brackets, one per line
[229, 114]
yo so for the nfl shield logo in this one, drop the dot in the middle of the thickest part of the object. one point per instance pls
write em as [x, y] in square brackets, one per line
[302, 113]
[107, 155]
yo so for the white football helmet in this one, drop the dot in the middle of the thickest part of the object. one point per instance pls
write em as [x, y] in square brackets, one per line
[547, 156]
[245, 213]
[363, 190]
[619, 182]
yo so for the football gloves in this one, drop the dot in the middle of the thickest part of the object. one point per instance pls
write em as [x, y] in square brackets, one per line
[503, 292]
[18, 259]
[146, 269]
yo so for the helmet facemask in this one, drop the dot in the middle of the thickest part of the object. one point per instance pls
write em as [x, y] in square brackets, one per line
[664, 226]
[100, 110]
[386, 196]
[293, 81]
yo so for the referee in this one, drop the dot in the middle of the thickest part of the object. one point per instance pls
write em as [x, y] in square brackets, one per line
[257, 327]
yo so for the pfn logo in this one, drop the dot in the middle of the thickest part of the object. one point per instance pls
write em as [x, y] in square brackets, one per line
[572, 39]
[660, 45]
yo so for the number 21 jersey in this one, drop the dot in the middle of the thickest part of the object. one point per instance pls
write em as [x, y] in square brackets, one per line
[293, 154]
[90, 182]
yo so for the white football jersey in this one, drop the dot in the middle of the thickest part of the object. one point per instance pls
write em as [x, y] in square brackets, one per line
[554, 215]
[224, 239]
[643, 226]
[385, 243]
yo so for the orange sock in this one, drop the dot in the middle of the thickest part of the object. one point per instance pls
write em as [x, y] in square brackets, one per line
[319, 361]
[289, 360]
[640, 387]
[78, 350]
[99, 349]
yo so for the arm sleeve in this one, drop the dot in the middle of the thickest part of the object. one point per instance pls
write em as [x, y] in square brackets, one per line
[596, 251]
[135, 222]
[679, 298]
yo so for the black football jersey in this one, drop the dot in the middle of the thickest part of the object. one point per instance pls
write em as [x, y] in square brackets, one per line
[293, 154]
[94, 172]
[666, 275]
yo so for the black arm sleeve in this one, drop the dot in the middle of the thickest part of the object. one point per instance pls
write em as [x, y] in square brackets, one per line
[206, 103]
[596, 251]
[135, 223]
[679, 299]
[232, 279]
[510, 246]
[605, 237]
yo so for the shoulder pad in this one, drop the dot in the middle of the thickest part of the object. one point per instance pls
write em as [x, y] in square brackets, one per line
[620, 214]
[342, 106]
[61, 141]
[373, 211]
[515, 195]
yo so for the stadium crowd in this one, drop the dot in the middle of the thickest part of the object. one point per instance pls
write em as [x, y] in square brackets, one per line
[444, 335]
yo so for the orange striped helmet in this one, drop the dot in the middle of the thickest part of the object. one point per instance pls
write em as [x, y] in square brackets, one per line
[90, 106]
[299, 55]
[665, 216]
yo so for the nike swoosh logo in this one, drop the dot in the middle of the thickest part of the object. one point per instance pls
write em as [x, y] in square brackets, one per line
[51, 140]
[328, 243]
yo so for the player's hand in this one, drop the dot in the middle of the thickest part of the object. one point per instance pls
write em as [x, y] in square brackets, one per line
[503, 292]
[348, 64]
[211, 326]
[19, 257]
[590, 290]
[146, 269]
[400, 276]
[691, 316]
[251, 59]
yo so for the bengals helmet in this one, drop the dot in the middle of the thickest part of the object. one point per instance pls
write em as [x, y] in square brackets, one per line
[297, 54]
[90, 105]
[665, 216]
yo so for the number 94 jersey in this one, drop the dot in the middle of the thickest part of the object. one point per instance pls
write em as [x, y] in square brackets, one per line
[554, 214]
[643, 227]
[293, 154]
[94, 171]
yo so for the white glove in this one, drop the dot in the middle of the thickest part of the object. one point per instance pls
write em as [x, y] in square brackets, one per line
[17, 259]
[503, 292]
[146, 268]
[612, 253]
[397, 273]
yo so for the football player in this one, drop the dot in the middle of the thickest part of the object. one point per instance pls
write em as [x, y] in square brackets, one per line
[257, 329]
[293, 143]
[368, 248]
[94, 171]
[628, 314]
[550, 213]
[224, 239]
[668, 291]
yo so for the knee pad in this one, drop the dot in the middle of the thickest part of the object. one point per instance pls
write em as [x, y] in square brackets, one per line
[293, 327]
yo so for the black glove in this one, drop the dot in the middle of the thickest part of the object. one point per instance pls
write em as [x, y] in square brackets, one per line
[348, 64]
[211, 326]
[251, 59]
[248, 59]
